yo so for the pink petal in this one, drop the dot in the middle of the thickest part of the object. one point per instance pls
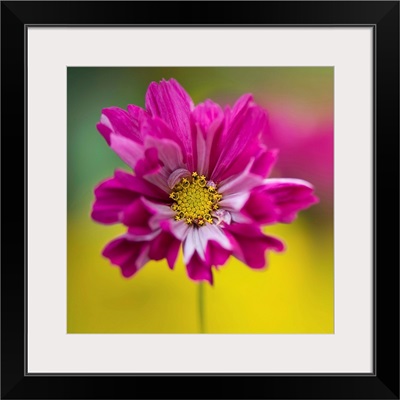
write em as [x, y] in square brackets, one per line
[223, 216]
[192, 244]
[111, 199]
[176, 176]
[170, 102]
[148, 165]
[260, 208]
[247, 122]
[140, 186]
[197, 240]
[133, 236]
[159, 212]
[214, 233]
[289, 196]
[202, 154]
[128, 150]
[207, 119]
[241, 218]
[166, 246]
[240, 183]
[169, 152]
[179, 229]
[157, 128]
[207, 115]
[215, 254]
[240, 106]
[234, 202]
[264, 162]
[117, 121]
[137, 217]
[162, 156]
[138, 114]
[129, 256]
[160, 180]
[250, 244]
[199, 270]
[236, 189]
[114, 195]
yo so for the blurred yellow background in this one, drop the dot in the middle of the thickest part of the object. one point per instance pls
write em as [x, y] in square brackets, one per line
[295, 294]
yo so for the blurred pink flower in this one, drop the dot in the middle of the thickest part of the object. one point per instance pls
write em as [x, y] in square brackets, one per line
[305, 143]
[200, 182]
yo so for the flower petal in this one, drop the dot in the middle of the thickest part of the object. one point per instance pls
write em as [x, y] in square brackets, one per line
[170, 102]
[241, 105]
[192, 245]
[207, 118]
[140, 186]
[157, 128]
[199, 270]
[176, 176]
[179, 229]
[148, 165]
[159, 212]
[129, 256]
[114, 195]
[241, 142]
[234, 202]
[197, 240]
[289, 196]
[264, 162]
[166, 246]
[169, 153]
[139, 115]
[111, 199]
[133, 236]
[128, 150]
[240, 183]
[250, 244]
[215, 254]
[260, 209]
[207, 115]
[214, 233]
[115, 120]
[137, 217]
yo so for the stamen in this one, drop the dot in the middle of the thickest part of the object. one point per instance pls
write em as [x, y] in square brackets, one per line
[195, 200]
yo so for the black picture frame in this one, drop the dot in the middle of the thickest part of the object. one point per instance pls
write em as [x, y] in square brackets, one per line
[383, 383]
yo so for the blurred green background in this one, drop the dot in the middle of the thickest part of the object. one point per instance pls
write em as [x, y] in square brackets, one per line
[295, 294]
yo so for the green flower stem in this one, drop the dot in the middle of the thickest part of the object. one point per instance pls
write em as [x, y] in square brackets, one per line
[201, 292]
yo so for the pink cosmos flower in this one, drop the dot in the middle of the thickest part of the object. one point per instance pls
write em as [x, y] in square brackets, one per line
[305, 143]
[200, 181]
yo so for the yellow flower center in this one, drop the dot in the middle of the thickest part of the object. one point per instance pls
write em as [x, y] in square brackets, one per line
[195, 199]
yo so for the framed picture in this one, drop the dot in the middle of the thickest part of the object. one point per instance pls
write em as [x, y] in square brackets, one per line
[205, 200]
